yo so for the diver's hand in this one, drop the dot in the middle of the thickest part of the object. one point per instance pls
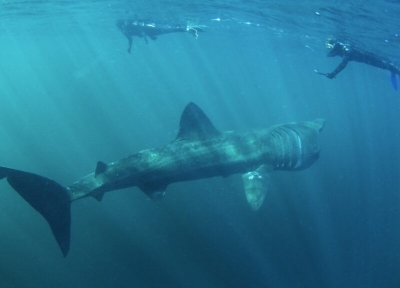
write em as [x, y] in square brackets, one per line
[327, 75]
[330, 75]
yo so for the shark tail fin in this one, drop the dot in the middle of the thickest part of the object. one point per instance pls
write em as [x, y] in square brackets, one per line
[48, 197]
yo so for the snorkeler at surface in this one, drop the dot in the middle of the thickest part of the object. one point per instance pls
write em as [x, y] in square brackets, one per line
[144, 29]
[349, 53]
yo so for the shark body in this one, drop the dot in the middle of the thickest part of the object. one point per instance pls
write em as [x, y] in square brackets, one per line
[199, 151]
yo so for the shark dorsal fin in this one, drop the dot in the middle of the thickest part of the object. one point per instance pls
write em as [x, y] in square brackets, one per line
[101, 167]
[195, 124]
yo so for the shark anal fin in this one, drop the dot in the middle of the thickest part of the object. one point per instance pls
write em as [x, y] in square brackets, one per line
[256, 184]
[48, 197]
[101, 167]
[98, 196]
[194, 124]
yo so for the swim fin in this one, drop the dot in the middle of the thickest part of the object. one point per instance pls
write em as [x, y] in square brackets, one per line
[394, 81]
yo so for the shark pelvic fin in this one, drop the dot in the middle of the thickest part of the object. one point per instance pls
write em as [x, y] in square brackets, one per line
[155, 192]
[256, 184]
[194, 124]
[48, 197]
[101, 167]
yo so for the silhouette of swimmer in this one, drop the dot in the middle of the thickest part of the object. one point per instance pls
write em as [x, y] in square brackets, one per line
[349, 53]
[144, 29]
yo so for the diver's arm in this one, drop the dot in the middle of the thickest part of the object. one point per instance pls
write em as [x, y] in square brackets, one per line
[130, 43]
[339, 68]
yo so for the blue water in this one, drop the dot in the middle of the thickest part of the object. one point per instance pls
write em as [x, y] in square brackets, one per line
[71, 95]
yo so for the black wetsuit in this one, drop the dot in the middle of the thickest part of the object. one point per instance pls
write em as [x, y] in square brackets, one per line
[144, 29]
[350, 54]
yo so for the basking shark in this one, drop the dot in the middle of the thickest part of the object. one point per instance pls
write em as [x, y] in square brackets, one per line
[198, 151]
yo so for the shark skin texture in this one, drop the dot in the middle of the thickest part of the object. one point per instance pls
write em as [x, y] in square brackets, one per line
[199, 151]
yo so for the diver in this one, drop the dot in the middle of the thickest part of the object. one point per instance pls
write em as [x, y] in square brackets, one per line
[349, 53]
[144, 29]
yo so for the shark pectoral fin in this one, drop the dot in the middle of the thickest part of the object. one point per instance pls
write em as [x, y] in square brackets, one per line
[48, 197]
[256, 185]
[101, 167]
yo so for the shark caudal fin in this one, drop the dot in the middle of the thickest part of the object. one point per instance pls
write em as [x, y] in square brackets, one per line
[49, 198]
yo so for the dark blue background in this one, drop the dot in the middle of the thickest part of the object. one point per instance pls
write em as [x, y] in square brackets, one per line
[72, 95]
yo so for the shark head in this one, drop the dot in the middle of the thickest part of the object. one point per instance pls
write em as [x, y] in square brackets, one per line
[296, 144]
[295, 147]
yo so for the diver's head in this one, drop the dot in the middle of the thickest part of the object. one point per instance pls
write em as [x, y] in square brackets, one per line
[334, 46]
[121, 25]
